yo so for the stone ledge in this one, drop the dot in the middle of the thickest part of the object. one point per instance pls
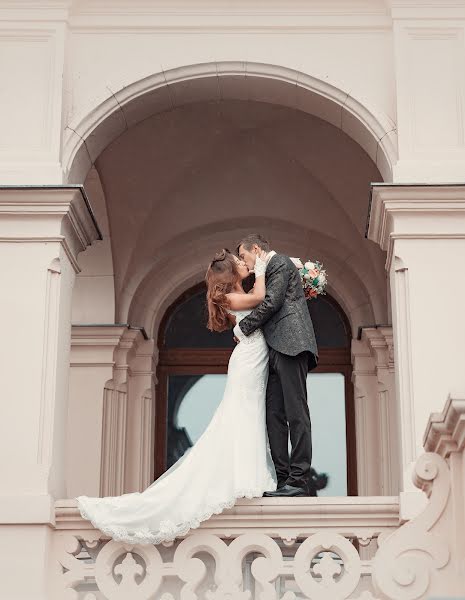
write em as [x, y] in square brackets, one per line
[352, 516]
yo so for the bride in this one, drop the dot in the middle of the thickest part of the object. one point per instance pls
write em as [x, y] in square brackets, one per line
[231, 459]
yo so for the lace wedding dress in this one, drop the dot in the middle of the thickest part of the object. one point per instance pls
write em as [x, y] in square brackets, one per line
[230, 460]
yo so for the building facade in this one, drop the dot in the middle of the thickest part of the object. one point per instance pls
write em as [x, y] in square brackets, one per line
[139, 137]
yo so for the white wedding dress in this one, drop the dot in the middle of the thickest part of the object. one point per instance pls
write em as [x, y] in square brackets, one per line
[230, 460]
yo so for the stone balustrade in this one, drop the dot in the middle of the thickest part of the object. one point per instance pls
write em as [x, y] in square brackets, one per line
[262, 548]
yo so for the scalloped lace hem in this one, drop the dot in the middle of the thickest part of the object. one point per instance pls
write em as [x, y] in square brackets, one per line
[168, 531]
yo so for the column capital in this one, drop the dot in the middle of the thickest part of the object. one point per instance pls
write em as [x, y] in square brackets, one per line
[94, 345]
[380, 342]
[362, 359]
[416, 211]
[48, 214]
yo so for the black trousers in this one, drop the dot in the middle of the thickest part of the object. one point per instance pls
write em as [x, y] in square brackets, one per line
[287, 414]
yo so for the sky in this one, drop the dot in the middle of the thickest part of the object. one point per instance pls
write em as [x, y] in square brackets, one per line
[327, 412]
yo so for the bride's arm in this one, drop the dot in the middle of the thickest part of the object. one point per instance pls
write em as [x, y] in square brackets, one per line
[255, 296]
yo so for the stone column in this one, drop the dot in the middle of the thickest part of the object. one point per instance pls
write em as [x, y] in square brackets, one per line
[92, 362]
[422, 229]
[42, 230]
[380, 342]
[111, 409]
[140, 450]
[366, 419]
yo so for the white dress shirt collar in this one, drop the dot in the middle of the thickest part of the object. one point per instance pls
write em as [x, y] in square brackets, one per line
[269, 256]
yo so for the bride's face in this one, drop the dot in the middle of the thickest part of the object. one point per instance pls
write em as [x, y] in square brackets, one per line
[241, 268]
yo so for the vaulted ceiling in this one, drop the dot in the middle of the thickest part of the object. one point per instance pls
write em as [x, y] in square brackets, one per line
[185, 182]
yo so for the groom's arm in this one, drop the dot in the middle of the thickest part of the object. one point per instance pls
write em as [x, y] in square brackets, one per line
[276, 286]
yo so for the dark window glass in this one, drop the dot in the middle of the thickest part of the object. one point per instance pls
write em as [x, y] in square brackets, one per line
[187, 325]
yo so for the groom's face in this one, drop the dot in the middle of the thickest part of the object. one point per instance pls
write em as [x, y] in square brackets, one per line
[249, 256]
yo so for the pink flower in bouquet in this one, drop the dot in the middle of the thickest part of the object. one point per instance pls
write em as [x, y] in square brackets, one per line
[313, 277]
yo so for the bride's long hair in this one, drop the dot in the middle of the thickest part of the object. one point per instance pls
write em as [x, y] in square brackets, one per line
[221, 278]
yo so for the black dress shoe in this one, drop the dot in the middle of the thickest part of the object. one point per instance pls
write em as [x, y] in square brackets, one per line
[287, 491]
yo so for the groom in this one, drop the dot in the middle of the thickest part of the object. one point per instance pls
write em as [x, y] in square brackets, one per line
[285, 321]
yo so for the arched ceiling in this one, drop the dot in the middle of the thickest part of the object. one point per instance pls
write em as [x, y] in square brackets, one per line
[186, 181]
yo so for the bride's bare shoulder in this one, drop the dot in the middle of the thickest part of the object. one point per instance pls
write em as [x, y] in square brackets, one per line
[241, 301]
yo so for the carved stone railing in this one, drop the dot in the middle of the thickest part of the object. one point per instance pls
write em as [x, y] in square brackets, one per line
[261, 548]
[302, 548]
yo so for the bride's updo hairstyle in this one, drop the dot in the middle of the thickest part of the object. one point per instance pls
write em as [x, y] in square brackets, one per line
[221, 277]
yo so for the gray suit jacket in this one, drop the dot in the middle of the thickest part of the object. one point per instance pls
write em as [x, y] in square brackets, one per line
[283, 315]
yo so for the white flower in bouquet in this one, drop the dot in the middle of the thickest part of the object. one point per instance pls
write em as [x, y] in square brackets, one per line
[313, 277]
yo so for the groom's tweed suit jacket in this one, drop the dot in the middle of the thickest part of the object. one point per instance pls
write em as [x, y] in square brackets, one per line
[283, 315]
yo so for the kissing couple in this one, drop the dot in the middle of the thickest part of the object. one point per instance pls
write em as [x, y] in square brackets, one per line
[244, 451]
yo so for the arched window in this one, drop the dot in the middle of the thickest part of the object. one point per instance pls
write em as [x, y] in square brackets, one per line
[191, 376]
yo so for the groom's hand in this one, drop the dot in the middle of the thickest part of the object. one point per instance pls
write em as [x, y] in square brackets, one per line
[237, 333]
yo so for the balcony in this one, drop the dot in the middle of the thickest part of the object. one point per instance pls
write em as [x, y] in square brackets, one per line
[287, 549]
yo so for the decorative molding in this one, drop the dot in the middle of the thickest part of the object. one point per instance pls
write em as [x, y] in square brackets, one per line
[445, 432]
[363, 448]
[176, 7]
[386, 440]
[365, 516]
[426, 135]
[144, 571]
[416, 236]
[378, 343]
[406, 559]
[41, 43]
[372, 12]
[49, 364]
[113, 455]
[403, 358]
[147, 426]
[93, 346]
[427, 10]
[251, 24]
[62, 212]
[391, 204]
[128, 352]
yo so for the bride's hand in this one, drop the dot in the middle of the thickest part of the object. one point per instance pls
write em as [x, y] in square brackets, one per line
[260, 266]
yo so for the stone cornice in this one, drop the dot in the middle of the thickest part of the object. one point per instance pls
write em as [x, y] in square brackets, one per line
[226, 7]
[427, 9]
[415, 212]
[445, 432]
[48, 213]
[35, 11]
[224, 15]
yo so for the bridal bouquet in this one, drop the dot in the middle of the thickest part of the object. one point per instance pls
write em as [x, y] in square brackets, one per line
[313, 277]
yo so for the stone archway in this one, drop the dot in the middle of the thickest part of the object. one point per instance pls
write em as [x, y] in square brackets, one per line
[188, 172]
[86, 136]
